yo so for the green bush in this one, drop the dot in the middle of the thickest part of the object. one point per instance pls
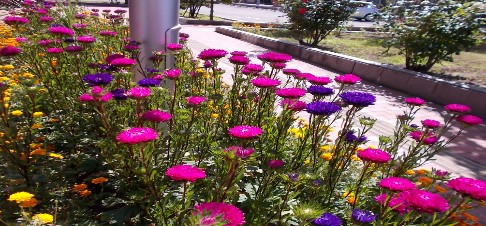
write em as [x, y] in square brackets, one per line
[313, 20]
[429, 33]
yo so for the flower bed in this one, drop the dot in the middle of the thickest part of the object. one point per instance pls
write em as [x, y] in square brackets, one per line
[84, 144]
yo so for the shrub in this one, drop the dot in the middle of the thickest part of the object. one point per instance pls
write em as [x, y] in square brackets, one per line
[313, 20]
[429, 33]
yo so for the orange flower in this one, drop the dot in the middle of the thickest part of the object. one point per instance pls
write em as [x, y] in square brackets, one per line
[80, 187]
[29, 203]
[352, 200]
[421, 171]
[85, 193]
[440, 189]
[425, 181]
[469, 216]
[38, 151]
[99, 180]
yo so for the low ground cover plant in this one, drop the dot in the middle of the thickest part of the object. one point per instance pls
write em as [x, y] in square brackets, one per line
[84, 144]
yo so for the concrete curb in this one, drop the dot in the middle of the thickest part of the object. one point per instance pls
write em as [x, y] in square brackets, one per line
[413, 83]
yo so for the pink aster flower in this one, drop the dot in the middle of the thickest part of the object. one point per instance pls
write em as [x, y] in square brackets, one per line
[229, 213]
[264, 82]
[239, 53]
[471, 120]
[274, 57]
[195, 100]
[239, 60]
[397, 202]
[245, 132]
[303, 76]
[86, 98]
[173, 73]
[105, 98]
[54, 50]
[415, 101]
[457, 108]
[61, 31]
[137, 135]
[86, 39]
[469, 186]
[174, 46]
[424, 201]
[290, 71]
[348, 79]
[139, 92]
[79, 26]
[240, 152]
[277, 65]
[275, 163]
[430, 124]
[212, 54]
[11, 20]
[374, 155]
[427, 139]
[46, 19]
[108, 33]
[156, 116]
[316, 80]
[9, 51]
[112, 57]
[293, 104]
[253, 68]
[396, 184]
[290, 92]
[123, 62]
[185, 173]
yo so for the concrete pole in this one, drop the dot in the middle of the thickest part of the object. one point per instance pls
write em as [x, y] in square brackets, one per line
[154, 23]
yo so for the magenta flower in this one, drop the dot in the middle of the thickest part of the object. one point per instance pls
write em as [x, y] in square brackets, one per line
[173, 73]
[174, 46]
[239, 60]
[275, 163]
[86, 39]
[397, 202]
[139, 92]
[229, 213]
[471, 120]
[264, 82]
[156, 116]
[240, 152]
[54, 50]
[137, 135]
[45, 42]
[457, 108]
[79, 16]
[293, 104]
[374, 155]
[108, 33]
[123, 62]
[430, 124]
[9, 51]
[290, 92]
[290, 71]
[415, 101]
[61, 31]
[348, 79]
[195, 100]
[253, 68]
[113, 57]
[469, 186]
[245, 132]
[212, 54]
[185, 173]
[239, 53]
[424, 201]
[274, 57]
[316, 80]
[105, 98]
[11, 20]
[396, 184]
[46, 19]
[21, 39]
[86, 98]
[278, 65]
[79, 26]
[427, 139]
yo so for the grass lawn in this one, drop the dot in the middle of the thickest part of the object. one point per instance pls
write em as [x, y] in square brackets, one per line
[468, 67]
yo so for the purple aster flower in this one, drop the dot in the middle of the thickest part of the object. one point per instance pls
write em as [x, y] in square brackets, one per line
[327, 219]
[9, 51]
[212, 54]
[95, 10]
[98, 79]
[73, 49]
[350, 137]
[108, 33]
[148, 82]
[106, 10]
[363, 216]
[358, 99]
[274, 57]
[61, 31]
[69, 40]
[119, 94]
[207, 64]
[322, 108]
[183, 35]
[86, 39]
[11, 20]
[320, 91]
[239, 60]
[293, 176]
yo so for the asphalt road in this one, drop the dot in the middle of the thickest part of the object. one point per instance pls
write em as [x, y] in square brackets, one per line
[248, 14]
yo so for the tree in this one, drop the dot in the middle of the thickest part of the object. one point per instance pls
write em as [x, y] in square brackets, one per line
[428, 33]
[193, 6]
[313, 20]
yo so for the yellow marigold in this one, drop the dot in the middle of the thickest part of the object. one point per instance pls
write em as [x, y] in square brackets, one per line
[326, 156]
[410, 172]
[425, 181]
[29, 203]
[43, 218]
[355, 158]
[56, 156]
[352, 200]
[19, 197]
[17, 113]
[34, 145]
[80, 187]
[422, 171]
[8, 67]
[327, 147]
[348, 194]
[38, 114]
[307, 161]
[85, 193]
[36, 126]
[27, 75]
[99, 180]
[3, 79]
[214, 116]
[440, 188]
[42, 90]
[2, 134]
[469, 216]
[38, 151]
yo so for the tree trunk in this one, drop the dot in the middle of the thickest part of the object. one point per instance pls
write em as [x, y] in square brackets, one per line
[211, 13]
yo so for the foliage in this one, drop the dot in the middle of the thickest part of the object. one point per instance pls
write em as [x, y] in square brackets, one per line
[431, 32]
[83, 144]
[313, 20]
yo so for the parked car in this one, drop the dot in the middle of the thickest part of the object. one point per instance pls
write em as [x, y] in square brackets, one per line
[364, 10]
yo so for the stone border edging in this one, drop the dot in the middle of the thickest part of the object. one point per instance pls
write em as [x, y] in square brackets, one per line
[416, 84]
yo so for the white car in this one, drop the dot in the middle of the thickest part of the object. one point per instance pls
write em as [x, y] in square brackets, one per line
[364, 10]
